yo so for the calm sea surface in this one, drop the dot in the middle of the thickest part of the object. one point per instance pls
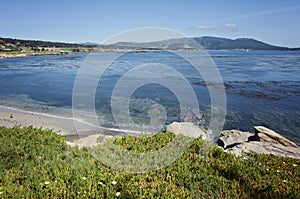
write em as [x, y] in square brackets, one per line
[262, 87]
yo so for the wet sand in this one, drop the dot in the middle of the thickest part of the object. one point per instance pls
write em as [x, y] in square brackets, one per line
[10, 117]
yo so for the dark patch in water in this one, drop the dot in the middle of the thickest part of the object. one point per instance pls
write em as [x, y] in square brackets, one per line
[270, 90]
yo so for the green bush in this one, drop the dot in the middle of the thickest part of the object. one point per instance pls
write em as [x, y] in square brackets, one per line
[37, 163]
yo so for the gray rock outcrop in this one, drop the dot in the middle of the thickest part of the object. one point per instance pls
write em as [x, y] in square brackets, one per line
[188, 129]
[232, 137]
[263, 134]
[264, 141]
[264, 148]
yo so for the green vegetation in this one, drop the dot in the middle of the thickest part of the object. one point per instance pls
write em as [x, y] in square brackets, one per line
[37, 163]
[19, 44]
[20, 48]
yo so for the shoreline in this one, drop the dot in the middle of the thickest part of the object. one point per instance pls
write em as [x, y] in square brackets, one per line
[10, 117]
[31, 54]
[81, 134]
[21, 55]
[63, 119]
[63, 125]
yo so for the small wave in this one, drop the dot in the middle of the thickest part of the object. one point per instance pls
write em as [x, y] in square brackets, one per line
[69, 118]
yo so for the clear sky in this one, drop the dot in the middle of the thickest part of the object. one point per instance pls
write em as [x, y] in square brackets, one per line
[272, 21]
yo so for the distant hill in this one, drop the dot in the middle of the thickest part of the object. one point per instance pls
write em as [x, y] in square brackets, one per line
[210, 43]
[229, 44]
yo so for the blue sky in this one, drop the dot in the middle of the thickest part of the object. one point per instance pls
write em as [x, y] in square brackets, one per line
[272, 21]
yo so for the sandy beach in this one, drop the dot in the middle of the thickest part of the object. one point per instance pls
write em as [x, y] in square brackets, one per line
[10, 117]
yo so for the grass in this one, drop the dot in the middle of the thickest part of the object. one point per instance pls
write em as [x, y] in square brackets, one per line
[37, 163]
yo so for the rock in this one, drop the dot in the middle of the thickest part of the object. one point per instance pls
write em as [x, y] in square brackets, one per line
[263, 134]
[90, 141]
[232, 137]
[246, 147]
[264, 141]
[188, 129]
[264, 148]
[45, 108]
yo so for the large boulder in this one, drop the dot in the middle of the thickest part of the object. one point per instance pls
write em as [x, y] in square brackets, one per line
[233, 137]
[264, 141]
[263, 134]
[187, 129]
[264, 148]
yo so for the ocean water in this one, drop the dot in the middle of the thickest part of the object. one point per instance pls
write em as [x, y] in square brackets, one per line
[262, 87]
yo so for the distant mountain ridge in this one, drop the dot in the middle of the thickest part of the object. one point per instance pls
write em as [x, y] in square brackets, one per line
[240, 43]
[209, 43]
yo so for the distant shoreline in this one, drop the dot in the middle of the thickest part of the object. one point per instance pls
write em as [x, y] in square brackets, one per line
[12, 48]
[4, 55]
[20, 55]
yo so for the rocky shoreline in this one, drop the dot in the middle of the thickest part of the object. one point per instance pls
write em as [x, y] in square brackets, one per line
[239, 143]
